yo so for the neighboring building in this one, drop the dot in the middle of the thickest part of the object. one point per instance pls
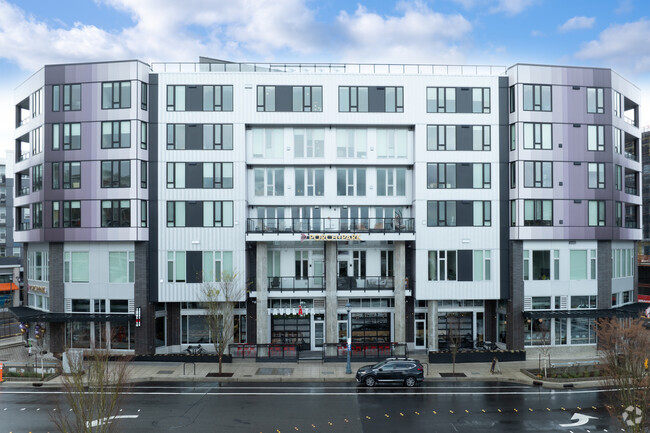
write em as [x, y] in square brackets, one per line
[503, 201]
[10, 268]
[644, 246]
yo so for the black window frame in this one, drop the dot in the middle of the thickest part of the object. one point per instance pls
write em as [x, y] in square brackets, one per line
[67, 142]
[116, 144]
[116, 94]
[66, 211]
[116, 168]
[537, 105]
[68, 181]
[599, 98]
[68, 91]
[143, 95]
[538, 209]
[538, 167]
[116, 209]
[601, 181]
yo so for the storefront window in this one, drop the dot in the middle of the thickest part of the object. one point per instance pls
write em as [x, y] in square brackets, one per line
[79, 335]
[371, 327]
[560, 331]
[120, 338]
[195, 330]
[582, 331]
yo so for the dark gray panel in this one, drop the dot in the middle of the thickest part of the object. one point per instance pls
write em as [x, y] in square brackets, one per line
[463, 100]
[193, 175]
[376, 99]
[464, 137]
[465, 265]
[464, 175]
[193, 214]
[504, 209]
[194, 137]
[194, 267]
[604, 274]
[144, 335]
[153, 187]
[283, 98]
[464, 213]
[193, 98]
[515, 306]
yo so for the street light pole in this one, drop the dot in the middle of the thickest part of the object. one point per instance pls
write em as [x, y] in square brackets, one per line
[348, 370]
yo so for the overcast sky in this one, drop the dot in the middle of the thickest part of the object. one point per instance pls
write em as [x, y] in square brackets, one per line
[613, 34]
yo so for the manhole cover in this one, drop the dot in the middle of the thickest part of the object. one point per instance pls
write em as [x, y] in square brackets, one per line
[166, 372]
[452, 374]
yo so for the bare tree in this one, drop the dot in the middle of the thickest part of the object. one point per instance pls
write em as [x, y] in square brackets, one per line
[624, 347]
[543, 327]
[94, 391]
[219, 299]
[453, 337]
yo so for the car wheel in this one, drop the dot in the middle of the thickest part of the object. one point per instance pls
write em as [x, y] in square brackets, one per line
[410, 381]
[370, 381]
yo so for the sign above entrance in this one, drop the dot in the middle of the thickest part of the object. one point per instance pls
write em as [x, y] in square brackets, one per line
[329, 237]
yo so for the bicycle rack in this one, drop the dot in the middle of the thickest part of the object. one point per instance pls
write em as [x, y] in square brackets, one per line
[193, 365]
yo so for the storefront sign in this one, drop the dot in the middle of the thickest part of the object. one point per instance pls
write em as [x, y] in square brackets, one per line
[38, 289]
[329, 237]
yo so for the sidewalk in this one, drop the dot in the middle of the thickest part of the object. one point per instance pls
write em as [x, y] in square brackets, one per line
[245, 370]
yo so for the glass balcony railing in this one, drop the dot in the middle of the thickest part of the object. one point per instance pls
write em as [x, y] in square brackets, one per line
[352, 284]
[331, 225]
[295, 284]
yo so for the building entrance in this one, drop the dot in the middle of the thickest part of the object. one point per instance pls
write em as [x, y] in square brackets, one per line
[291, 329]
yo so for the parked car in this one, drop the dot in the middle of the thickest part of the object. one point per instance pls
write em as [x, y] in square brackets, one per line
[392, 370]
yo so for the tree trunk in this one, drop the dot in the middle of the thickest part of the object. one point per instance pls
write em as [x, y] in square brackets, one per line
[220, 358]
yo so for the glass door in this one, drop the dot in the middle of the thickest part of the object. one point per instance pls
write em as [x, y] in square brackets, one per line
[319, 332]
[420, 330]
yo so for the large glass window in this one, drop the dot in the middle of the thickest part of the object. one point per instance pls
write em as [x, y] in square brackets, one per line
[217, 98]
[72, 213]
[582, 331]
[76, 266]
[538, 136]
[309, 181]
[441, 99]
[481, 100]
[116, 213]
[116, 94]
[537, 97]
[596, 213]
[71, 97]
[71, 136]
[542, 265]
[309, 143]
[269, 181]
[392, 143]
[596, 138]
[596, 175]
[348, 178]
[578, 262]
[268, 142]
[71, 175]
[538, 174]
[215, 137]
[391, 181]
[116, 134]
[351, 143]
[538, 212]
[217, 175]
[121, 267]
[595, 100]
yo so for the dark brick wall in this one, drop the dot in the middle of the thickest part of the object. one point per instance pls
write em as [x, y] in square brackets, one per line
[173, 324]
[604, 274]
[515, 318]
[144, 335]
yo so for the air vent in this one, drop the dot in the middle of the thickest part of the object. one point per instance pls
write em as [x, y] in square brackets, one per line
[576, 87]
[342, 302]
[131, 306]
[68, 305]
[319, 303]
[563, 302]
[577, 201]
[577, 163]
[576, 125]
[528, 303]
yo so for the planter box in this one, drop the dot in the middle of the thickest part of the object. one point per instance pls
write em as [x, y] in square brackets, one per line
[179, 357]
[477, 356]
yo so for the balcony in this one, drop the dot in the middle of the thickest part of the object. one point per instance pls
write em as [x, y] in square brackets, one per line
[295, 284]
[22, 191]
[23, 226]
[330, 225]
[365, 284]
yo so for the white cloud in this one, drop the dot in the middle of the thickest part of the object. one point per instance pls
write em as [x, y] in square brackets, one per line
[419, 35]
[623, 47]
[512, 7]
[577, 23]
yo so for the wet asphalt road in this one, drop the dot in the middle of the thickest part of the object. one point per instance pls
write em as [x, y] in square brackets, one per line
[329, 407]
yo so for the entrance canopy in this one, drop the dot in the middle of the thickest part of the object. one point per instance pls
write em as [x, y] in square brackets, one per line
[26, 314]
[631, 310]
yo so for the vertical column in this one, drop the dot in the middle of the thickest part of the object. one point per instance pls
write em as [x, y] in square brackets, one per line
[515, 308]
[490, 318]
[57, 295]
[604, 278]
[145, 334]
[432, 326]
[400, 300]
[331, 299]
[261, 287]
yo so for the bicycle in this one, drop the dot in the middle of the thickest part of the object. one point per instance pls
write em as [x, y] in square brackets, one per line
[196, 350]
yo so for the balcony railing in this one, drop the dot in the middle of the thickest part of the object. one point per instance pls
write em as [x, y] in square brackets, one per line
[23, 226]
[22, 156]
[631, 190]
[331, 225]
[365, 284]
[293, 284]
[22, 191]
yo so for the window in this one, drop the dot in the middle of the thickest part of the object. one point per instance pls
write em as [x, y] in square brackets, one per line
[216, 264]
[538, 136]
[481, 100]
[578, 262]
[176, 266]
[526, 270]
[309, 143]
[116, 94]
[596, 213]
[596, 175]
[542, 265]
[583, 331]
[268, 142]
[537, 97]
[513, 213]
[441, 137]
[513, 97]
[269, 181]
[459, 213]
[38, 266]
[175, 98]
[56, 214]
[71, 97]
[351, 143]
[143, 135]
[116, 134]
[596, 138]
[217, 98]
[200, 214]
[582, 302]
[175, 175]
[391, 143]
[71, 136]
[538, 212]
[116, 174]
[538, 174]
[37, 177]
[480, 137]
[482, 271]
[119, 306]
[513, 175]
[617, 103]
[143, 174]
[371, 99]
[175, 137]
[215, 137]
[441, 99]
[619, 214]
[217, 175]
[217, 214]
[346, 178]
[37, 215]
[56, 98]
[541, 302]
[513, 136]
[71, 175]
[631, 216]
[618, 140]
[556, 264]
[309, 181]
[391, 181]
[143, 96]
[452, 137]
[116, 213]
[72, 213]
[75, 267]
[442, 265]
[143, 213]
[458, 175]
[36, 138]
[121, 267]
[595, 100]
[289, 98]
[56, 136]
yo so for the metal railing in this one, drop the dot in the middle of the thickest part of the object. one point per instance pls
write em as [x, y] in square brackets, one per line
[22, 191]
[295, 284]
[23, 156]
[330, 225]
[331, 68]
[363, 351]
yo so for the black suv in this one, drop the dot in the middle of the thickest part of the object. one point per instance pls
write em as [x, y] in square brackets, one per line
[395, 370]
